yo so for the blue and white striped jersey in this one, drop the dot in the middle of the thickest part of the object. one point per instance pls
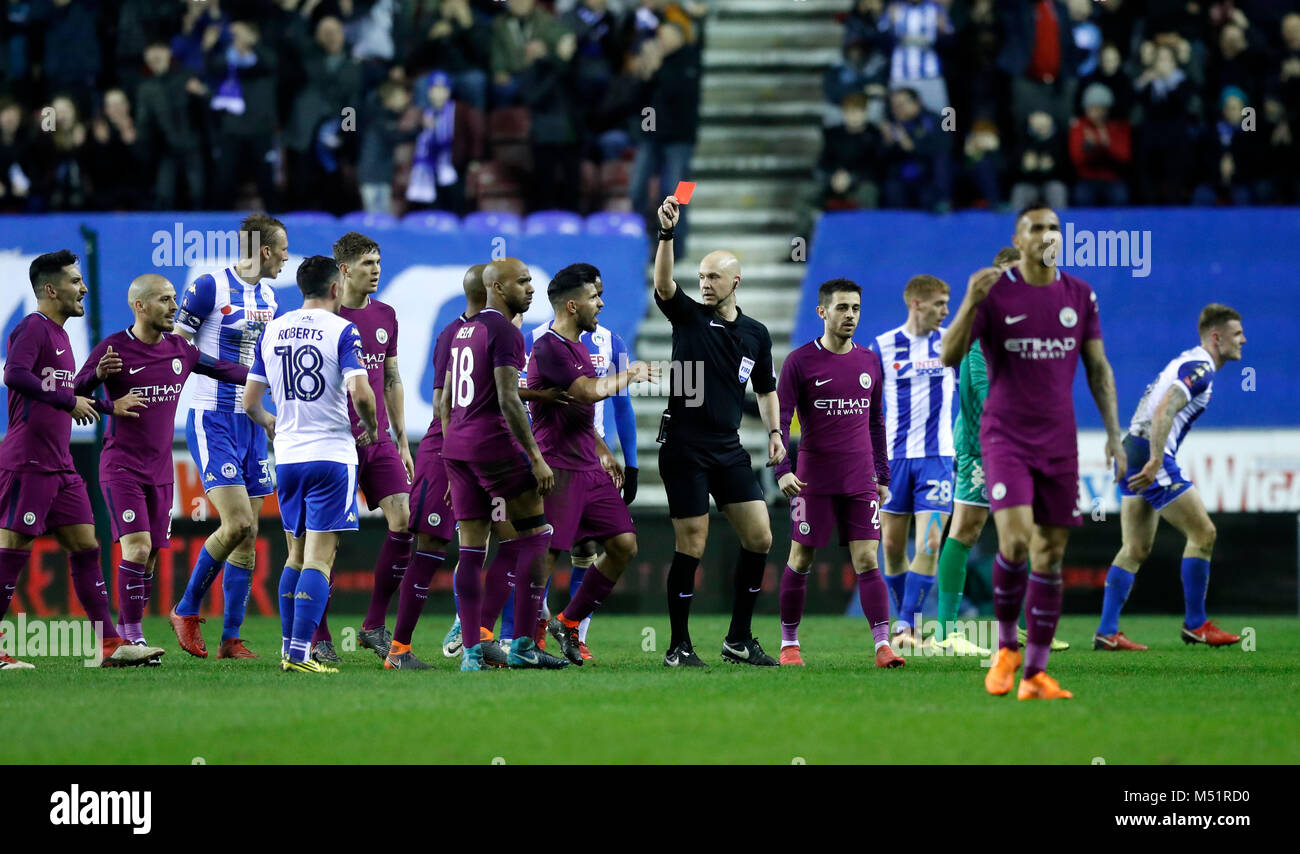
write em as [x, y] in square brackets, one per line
[915, 28]
[226, 316]
[606, 349]
[1192, 373]
[920, 394]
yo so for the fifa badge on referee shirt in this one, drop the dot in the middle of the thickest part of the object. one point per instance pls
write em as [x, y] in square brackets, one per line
[746, 365]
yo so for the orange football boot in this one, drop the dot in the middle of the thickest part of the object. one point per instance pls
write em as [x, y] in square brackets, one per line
[1002, 674]
[1040, 686]
[790, 656]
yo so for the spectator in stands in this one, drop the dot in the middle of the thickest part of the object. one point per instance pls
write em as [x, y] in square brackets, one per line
[139, 24]
[983, 163]
[1168, 106]
[384, 127]
[642, 23]
[1240, 61]
[72, 59]
[1110, 73]
[1039, 56]
[1287, 80]
[333, 84]
[61, 173]
[369, 32]
[459, 42]
[203, 26]
[1041, 164]
[1086, 34]
[244, 114]
[976, 87]
[16, 164]
[164, 122]
[918, 156]
[448, 145]
[519, 37]
[1100, 148]
[549, 88]
[864, 70]
[1230, 157]
[1280, 160]
[114, 163]
[599, 48]
[862, 25]
[916, 31]
[845, 177]
[667, 144]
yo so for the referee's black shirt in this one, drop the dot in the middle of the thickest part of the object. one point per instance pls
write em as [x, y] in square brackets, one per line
[731, 352]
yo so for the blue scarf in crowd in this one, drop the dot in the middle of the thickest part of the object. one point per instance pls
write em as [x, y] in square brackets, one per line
[431, 166]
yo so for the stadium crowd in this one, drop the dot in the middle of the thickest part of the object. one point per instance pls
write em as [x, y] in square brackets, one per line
[400, 105]
[1085, 102]
[394, 105]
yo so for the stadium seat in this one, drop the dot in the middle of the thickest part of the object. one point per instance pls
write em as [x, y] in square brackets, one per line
[504, 204]
[553, 222]
[606, 223]
[362, 219]
[495, 221]
[440, 222]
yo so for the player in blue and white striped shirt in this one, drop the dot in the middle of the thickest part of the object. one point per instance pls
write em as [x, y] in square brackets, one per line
[920, 396]
[223, 314]
[1154, 488]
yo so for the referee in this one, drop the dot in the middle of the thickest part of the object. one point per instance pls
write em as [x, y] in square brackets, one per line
[701, 453]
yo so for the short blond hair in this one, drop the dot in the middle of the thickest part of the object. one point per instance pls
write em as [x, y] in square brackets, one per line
[923, 287]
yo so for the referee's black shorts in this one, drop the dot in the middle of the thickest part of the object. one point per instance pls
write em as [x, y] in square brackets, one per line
[692, 471]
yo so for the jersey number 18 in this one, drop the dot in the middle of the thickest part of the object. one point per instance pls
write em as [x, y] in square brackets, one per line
[462, 376]
[302, 372]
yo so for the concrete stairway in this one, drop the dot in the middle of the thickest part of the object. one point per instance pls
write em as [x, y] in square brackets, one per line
[760, 133]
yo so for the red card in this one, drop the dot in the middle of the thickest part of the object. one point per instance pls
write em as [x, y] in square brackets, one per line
[684, 191]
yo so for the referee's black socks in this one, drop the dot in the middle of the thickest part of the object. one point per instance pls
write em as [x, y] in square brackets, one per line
[681, 588]
[749, 581]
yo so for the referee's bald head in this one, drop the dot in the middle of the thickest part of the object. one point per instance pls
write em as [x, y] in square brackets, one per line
[719, 277]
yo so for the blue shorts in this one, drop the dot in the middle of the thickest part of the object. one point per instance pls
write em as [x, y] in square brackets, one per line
[317, 496]
[1170, 483]
[230, 450]
[919, 485]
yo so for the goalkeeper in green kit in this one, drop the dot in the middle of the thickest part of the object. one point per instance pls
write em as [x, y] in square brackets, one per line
[970, 500]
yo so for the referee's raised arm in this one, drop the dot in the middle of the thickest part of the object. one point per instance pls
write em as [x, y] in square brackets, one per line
[665, 287]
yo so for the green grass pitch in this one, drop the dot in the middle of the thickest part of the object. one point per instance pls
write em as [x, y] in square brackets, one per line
[1173, 704]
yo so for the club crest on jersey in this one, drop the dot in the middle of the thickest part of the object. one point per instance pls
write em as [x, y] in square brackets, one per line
[128, 516]
[864, 380]
[804, 528]
[435, 520]
[29, 518]
[381, 335]
[1069, 317]
[176, 367]
[746, 366]
[228, 470]
[999, 491]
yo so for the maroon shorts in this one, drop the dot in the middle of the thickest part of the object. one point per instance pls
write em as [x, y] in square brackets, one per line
[32, 503]
[813, 516]
[430, 510]
[135, 506]
[1050, 486]
[583, 505]
[474, 484]
[380, 472]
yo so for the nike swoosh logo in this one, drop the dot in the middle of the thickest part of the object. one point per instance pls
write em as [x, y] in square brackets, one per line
[685, 595]
[719, 325]
[755, 589]
[1109, 643]
[1200, 637]
[742, 652]
[1019, 317]
[820, 383]
[419, 587]
[60, 352]
[135, 587]
[530, 659]
[99, 584]
[1038, 613]
[134, 371]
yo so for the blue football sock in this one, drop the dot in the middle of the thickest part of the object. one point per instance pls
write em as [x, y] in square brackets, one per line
[896, 585]
[288, 584]
[916, 587]
[575, 580]
[1119, 582]
[309, 600]
[1196, 581]
[201, 578]
[236, 584]
[507, 620]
